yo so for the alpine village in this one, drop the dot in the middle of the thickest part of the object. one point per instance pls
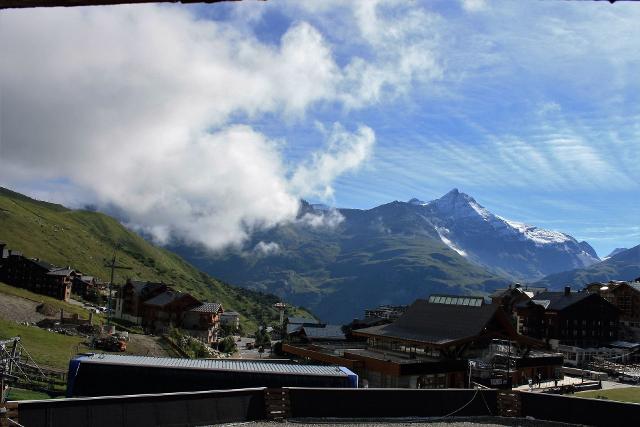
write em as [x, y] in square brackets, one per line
[198, 224]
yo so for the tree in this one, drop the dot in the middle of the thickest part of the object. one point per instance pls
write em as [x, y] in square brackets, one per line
[228, 345]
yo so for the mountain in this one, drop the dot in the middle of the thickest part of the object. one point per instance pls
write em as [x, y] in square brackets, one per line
[337, 262]
[616, 251]
[508, 248]
[341, 262]
[84, 239]
[624, 265]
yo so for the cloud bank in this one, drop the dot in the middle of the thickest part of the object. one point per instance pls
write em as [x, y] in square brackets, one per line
[150, 109]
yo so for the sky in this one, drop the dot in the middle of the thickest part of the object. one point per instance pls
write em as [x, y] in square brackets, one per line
[206, 122]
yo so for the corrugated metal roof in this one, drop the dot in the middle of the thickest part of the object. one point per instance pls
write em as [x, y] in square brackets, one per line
[215, 365]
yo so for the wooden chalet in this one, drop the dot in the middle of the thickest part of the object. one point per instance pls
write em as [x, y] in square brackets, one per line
[580, 319]
[626, 297]
[35, 275]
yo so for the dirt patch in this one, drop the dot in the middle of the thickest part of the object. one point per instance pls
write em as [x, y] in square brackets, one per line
[147, 345]
[47, 310]
[19, 309]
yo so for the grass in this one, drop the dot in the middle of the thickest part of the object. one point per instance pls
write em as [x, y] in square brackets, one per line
[22, 394]
[56, 303]
[47, 348]
[626, 394]
[84, 240]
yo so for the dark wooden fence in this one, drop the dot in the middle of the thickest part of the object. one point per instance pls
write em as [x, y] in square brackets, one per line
[215, 407]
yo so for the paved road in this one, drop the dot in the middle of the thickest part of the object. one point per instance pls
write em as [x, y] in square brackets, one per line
[243, 353]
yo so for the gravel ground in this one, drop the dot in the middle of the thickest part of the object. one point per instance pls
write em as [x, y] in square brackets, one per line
[19, 309]
[146, 345]
[452, 422]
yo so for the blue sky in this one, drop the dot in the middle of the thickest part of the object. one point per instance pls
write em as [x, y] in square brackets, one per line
[531, 107]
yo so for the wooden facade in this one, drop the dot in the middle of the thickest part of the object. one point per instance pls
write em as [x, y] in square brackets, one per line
[35, 275]
[579, 319]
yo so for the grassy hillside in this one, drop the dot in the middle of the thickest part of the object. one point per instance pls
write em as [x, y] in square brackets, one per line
[85, 239]
[47, 348]
[622, 266]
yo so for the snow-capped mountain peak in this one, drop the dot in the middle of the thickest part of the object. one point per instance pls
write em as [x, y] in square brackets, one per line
[460, 205]
[416, 202]
[525, 251]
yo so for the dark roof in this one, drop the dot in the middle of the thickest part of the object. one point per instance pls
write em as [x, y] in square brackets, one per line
[302, 321]
[61, 272]
[436, 323]
[532, 289]
[167, 297]
[42, 264]
[557, 301]
[328, 332]
[291, 328]
[216, 365]
[207, 307]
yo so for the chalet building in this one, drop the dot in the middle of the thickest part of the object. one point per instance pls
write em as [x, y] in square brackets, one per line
[157, 307]
[231, 318]
[625, 296]
[166, 310]
[430, 346]
[579, 319]
[35, 275]
[509, 298]
[132, 295]
[83, 284]
[203, 321]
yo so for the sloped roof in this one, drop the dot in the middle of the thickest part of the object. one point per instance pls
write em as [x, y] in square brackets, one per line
[291, 328]
[436, 323]
[557, 301]
[302, 321]
[42, 264]
[61, 272]
[165, 298]
[328, 332]
[207, 307]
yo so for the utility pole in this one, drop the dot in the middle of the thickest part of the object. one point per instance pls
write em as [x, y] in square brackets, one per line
[113, 266]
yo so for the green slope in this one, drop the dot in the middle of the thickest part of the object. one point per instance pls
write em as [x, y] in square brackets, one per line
[84, 239]
[622, 266]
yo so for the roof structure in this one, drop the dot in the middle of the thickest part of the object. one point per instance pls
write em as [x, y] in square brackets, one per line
[328, 332]
[557, 301]
[436, 323]
[40, 263]
[214, 365]
[456, 300]
[530, 291]
[292, 328]
[302, 321]
[165, 298]
[207, 307]
[61, 272]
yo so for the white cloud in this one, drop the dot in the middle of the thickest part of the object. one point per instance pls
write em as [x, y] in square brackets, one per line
[474, 5]
[345, 151]
[266, 249]
[137, 107]
[327, 219]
